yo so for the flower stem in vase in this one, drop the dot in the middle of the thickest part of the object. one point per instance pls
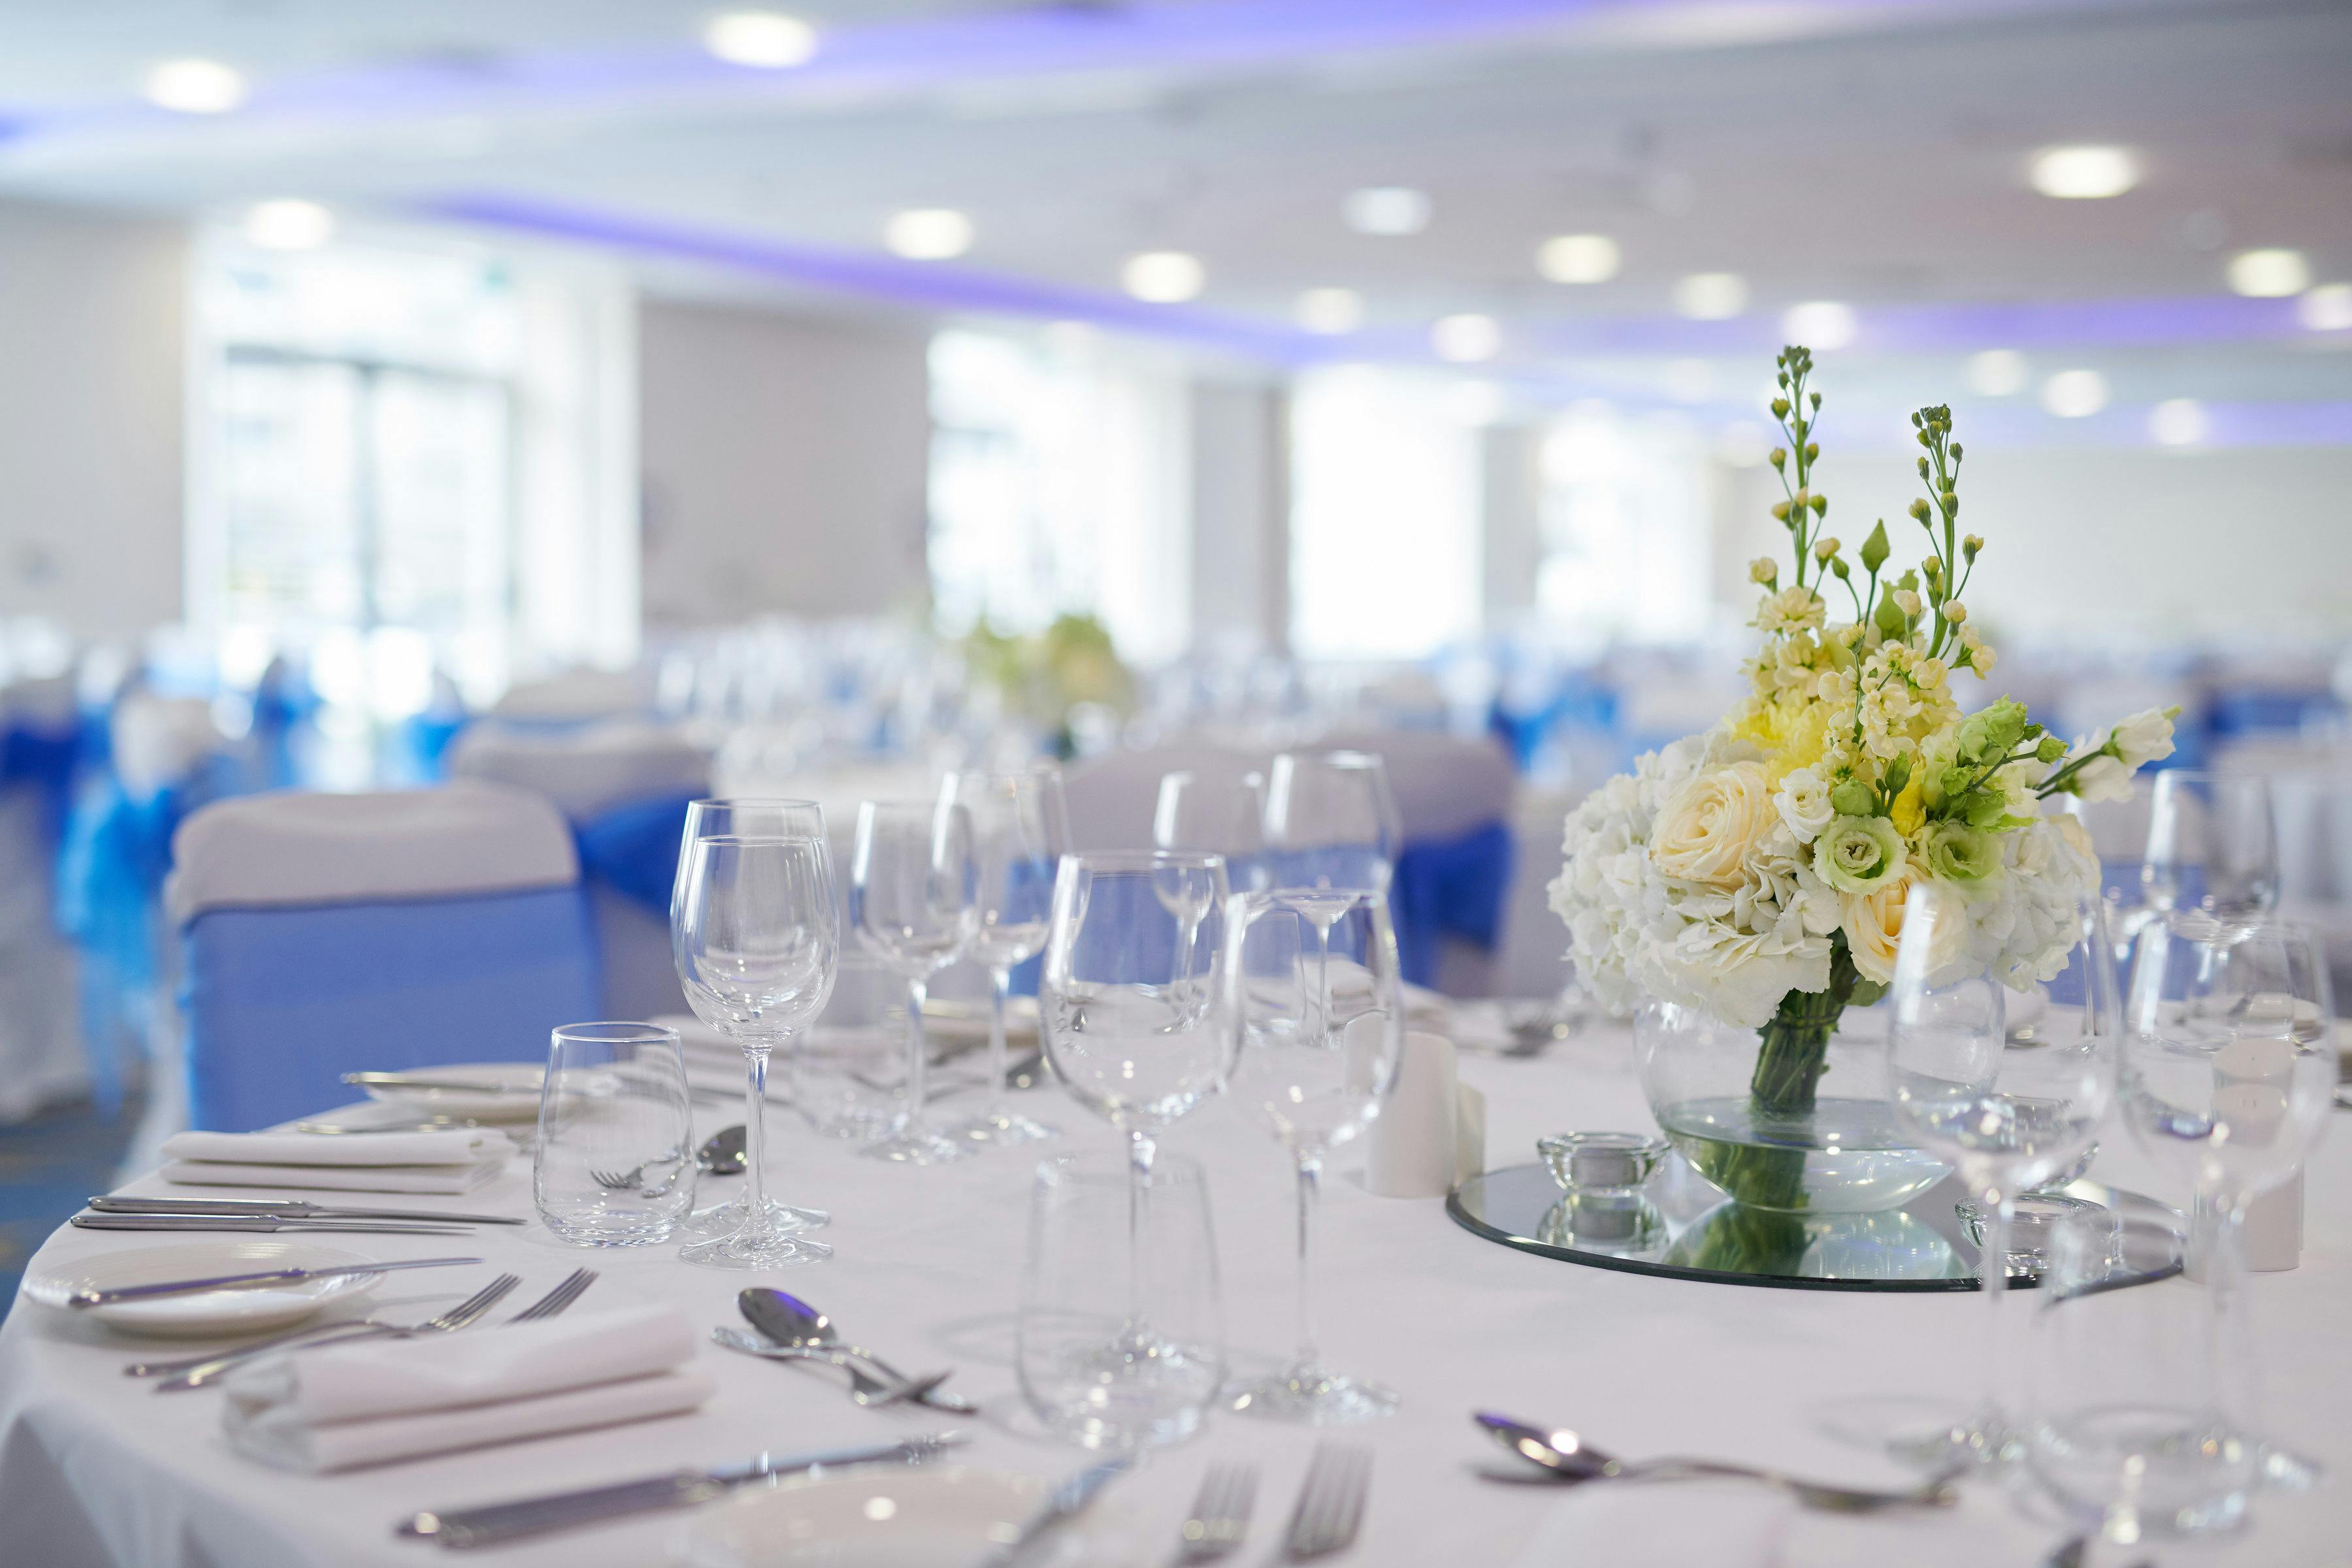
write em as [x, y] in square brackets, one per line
[1793, 1055]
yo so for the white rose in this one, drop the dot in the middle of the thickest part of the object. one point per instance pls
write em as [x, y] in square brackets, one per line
[1874, 928]
[2145, 738]
[1804, 804]
[1708, 827]
[2103, 778]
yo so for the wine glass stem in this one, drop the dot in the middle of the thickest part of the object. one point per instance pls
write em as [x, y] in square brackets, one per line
[1323, 977]
[999, 988]
[757, 1224]
[1140, 1153]
[2229, 1371]
[1993, 1275]
[1310, 1195]
[910, 1121]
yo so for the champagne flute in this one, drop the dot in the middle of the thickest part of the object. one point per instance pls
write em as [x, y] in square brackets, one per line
[1332, 838]
[1019, 828]
[756, 940]
[911, 898]
[2010, 1118]
[2212, 844]
[1318, 1085]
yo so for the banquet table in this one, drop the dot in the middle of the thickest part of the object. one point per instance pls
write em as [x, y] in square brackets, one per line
[96, 1467]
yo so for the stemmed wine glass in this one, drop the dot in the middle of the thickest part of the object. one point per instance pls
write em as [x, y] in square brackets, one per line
[2229, 1082]
[911, 898]
[1200, 810]
[756, 940]
[1332, 836]
[1019, 828]
[2212, 844]
[1317, 1076]
[2119, 837]
[2010, 1118]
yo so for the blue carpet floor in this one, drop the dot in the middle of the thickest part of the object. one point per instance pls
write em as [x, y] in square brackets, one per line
[47, 1167]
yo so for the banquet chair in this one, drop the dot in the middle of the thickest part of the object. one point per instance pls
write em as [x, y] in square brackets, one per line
[41, 1059]
[573, 698]
[623, 788]
[332, 934]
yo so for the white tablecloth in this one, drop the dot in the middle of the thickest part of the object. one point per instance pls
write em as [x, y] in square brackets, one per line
[96, 1468]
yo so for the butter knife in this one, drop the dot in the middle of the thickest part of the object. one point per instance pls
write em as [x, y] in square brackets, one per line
[494, 1524]
[119, 1293]
[287, 1208]
[1068, 1500]
[426, 1081]
[203, 1222]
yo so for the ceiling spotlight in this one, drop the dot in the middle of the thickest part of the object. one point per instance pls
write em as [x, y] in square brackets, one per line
[2084, 174]
[1467, 339]
[1578, 259]
[1163, 276]
[1330, 310]
[928, 234]
[1997, 373]
[289, 225]
[2326, 309]
[1711, 296]
[1387, 210]
[195, 87]
[762, 39]
[2177, 422]
[1822, 324]
[2074, 394]
[2269, 274]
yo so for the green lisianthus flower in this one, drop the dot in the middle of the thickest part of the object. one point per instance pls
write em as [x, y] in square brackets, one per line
[1858, 854]
[1955, 852]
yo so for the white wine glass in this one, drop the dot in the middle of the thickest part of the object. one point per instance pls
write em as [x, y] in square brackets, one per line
[2213, 844]
[1332, 838]
[911, 900]
[1216, 814]
[1019, 829]
[756, 940]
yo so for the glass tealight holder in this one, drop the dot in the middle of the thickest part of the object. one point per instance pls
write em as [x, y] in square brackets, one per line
[1601, 1164]
[2035, 1216]
[1614, 1224]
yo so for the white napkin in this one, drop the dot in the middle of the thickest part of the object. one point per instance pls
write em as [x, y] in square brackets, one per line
[1410, 1150]
[457, 1146]
[382, 1400]
[1677, 1524]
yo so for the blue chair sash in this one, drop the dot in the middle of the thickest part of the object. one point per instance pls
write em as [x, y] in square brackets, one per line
[1453, 887]
[282, 1001]
[111, 871]
[45, 760]
[634, 848]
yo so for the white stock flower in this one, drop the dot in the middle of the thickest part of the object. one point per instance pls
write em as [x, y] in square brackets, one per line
[1804, 806]
[2102, 778]
[2145, 738]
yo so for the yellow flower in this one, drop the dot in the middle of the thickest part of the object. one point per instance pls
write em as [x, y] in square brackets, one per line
[1909, 810]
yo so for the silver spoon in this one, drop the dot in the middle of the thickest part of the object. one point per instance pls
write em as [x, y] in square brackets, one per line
[864, 1387]
[793, 1323]
[1574, 1460]
[722, 1153]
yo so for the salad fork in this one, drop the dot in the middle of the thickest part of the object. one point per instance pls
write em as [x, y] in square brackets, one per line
[1220, 1513]
[1330, 1502]
[198, 1373]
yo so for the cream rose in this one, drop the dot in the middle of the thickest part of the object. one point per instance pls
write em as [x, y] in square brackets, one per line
[1708, 831]
[1873, 927]
[1804, 804]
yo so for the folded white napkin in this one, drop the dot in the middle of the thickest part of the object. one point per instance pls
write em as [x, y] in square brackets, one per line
[457, 1146]
[382, 1400]
[337, 1178]
[1665, 1524]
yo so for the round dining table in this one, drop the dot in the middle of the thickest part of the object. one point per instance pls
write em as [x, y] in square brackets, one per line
[98, 1468]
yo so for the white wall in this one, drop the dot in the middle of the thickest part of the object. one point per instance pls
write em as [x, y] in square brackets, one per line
[783, 464]
[93, 334]
[1240, 513]
[2145, 539]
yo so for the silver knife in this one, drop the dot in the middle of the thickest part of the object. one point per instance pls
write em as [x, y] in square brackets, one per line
[496, 1523]
[1069, 1501]
[108, 1297]
[200, 1221]
[425, 1081]
[433, 1124]
[286, 1208]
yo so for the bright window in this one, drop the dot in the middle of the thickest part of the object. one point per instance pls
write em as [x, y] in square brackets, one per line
[1624, 520]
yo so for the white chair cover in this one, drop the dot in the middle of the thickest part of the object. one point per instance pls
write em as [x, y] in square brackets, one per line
[573, 697]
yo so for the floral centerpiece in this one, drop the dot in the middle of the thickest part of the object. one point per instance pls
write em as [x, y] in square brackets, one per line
[1752, 878]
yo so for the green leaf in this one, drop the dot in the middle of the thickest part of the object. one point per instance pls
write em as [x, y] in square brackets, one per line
[1867, 991]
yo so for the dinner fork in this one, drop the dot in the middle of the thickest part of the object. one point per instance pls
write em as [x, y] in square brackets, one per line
[457, 1317]
[1220, 1513]
[633, 1179]
[1330, 1502]
[555, 1301]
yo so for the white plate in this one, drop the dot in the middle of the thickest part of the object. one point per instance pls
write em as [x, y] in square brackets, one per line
[214, 1313]
[957, 1022]
[511, 1091]
[949, 1517]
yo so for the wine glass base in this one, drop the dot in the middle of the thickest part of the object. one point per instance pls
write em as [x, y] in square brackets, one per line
[741, 1251]
[1928, 1435]
[1002, 1127]
[727, 1218]
[1315, 1397]
[918, 1146]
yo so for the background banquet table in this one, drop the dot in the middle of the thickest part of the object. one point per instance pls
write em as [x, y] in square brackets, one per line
[96, 1468]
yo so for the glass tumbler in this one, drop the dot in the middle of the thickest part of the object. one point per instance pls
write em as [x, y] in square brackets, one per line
[1077, 1326]
[615, 1164]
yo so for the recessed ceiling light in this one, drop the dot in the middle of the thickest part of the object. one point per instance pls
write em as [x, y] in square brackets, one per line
[1476, 404]
[1330, 310]
[928, 234]
[1466, 339]
[2326, 309]
[1711, 296]
[1997, 373]
[289, 225]
[1689, 380]
[195, 87]
[1163, 276]
[1387, 210]
[2177, 422]
[1578, 259]
[1822, 324]
[2084, 174]
[2269, 274]
[2074, 394]
[766, 39]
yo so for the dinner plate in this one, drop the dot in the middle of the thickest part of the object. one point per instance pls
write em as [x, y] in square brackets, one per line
[947, 1517]
[214, 1313]
[509, 1091]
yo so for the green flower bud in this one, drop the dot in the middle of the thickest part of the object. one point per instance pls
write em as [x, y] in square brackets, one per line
[1919, 510]
[1969, 546]
[1889, 617]
[1837, 564]
[1874, 549]
[1779, 455]
[1817, 402]
[1951, 502]
[1812, 450]
[2050, 748]
[1854, 799]
[1780, 510]
[1781, 404]
[1820, 505]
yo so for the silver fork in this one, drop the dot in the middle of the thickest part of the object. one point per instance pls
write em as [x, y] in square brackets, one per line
[633, 1180]
[555, 1301]
[457, 1317]
[338, 1329]
[1330, 1502]
[1220, 1512]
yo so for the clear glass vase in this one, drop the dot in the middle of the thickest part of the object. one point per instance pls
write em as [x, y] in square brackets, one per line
[1791, 1118]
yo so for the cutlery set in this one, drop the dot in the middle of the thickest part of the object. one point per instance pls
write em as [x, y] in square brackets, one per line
[791, 1330]
[1567, 1459]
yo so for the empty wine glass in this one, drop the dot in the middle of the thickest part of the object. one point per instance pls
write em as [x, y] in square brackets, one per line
[2212, 844]
[2010, 1118]
[2119, 837]
[1332, 838]
[1018, 827]
[911, 898]
[755, 939]
[1216, 814]
[1315, 1070]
